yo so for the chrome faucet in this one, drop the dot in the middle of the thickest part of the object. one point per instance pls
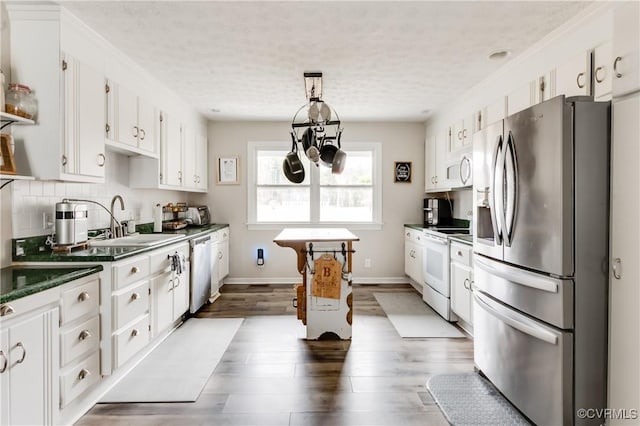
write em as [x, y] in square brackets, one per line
[113, 219]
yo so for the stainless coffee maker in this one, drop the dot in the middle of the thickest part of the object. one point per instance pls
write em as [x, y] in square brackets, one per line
[71, 223]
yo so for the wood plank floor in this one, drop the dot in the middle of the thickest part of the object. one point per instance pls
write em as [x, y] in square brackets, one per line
[270, 375]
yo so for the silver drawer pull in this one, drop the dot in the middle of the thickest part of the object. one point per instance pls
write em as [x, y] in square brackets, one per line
[6, 310]
[135, 296]
[4, 362]
[467, 284]
[83, 374]
[83, 296]
[615, 67]
[24, 353]
[134, 332]
[84, 334]
[135, 270]
[459, 253]
[617, 263]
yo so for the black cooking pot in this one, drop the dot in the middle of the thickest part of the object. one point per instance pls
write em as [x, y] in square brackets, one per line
[292, 166]
[327, 152]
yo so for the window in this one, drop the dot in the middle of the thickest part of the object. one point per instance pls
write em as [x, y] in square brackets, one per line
[351, 198]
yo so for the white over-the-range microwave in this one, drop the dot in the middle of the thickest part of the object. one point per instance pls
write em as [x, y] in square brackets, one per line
[459, 171]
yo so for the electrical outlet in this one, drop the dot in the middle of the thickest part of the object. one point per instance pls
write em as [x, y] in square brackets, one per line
[367, 263]
[47, 220]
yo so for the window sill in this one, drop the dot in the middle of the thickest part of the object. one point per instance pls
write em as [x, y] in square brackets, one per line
[277, 226]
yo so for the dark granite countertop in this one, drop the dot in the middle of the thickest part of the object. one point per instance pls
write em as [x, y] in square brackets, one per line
[21, 281]
[34, 250]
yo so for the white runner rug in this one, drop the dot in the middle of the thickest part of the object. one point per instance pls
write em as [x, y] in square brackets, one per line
[178, 369]
[413, 318]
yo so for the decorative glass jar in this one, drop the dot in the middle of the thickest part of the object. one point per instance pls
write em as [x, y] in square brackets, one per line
[20, 101]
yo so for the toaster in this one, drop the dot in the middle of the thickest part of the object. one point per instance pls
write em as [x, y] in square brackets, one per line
[198, 215]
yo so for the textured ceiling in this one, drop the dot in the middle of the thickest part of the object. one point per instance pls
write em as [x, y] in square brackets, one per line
[382, 60]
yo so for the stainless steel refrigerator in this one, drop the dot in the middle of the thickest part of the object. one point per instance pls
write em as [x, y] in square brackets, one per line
[541, 219]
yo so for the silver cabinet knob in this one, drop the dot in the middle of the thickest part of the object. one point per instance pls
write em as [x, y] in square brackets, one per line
[6, 310]
[83, 296]
[135, 270]
[134, 332]
[83, 374]
[84, 334]
[135, 296]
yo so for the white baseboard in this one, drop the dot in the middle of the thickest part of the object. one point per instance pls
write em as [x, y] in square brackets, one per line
[290, 280]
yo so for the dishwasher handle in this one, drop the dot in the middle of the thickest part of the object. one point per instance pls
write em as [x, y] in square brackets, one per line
[203, 240]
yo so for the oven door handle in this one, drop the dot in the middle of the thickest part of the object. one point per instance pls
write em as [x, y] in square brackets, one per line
[524, 325]
[515, 276]
[435, 241]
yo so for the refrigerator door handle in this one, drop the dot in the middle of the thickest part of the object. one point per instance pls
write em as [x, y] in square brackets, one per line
[511, 184]
[495, 200]
[517, 276]
[516, 321]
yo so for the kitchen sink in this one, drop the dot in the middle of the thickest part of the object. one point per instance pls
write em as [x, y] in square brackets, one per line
[139, 240]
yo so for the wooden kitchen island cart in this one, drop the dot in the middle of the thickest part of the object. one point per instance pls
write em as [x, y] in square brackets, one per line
[324, 259]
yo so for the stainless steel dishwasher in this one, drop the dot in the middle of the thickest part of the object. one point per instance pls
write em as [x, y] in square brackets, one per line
[200, 288]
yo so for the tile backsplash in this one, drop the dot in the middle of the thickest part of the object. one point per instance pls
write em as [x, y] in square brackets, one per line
[32, 200]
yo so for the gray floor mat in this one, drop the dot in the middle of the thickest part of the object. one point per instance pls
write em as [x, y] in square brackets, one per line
[469, 399]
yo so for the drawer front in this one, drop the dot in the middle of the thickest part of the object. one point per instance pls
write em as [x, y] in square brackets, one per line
[224, 234]
[80, 340]
[159, 261]
[524, 359]
[130, 304]
[80, 301]
[80, 378]
[130, 340]
[460, 253]
[130, 271]
[412, 235]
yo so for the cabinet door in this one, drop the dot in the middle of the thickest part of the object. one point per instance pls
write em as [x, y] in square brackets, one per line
[31, 369]
[602, 72]
[172, 152]
[189, 177]
[495, 111]
[90, 116]
[215, 275]
[201, 162]
[624, 316]
[146, 126]
[626, 48]
[573, 78]
[223, 255]
[429, 162]
[521, 98]
[181, 294]
[127, 113]
[460, 294]
[162, 302]
[440, 165]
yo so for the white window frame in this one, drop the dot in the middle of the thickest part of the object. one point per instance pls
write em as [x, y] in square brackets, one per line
[253, 224]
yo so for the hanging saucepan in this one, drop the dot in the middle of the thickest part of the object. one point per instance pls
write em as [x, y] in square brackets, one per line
[327, 152]
[339, 159]
[292, 166]
[309, 145]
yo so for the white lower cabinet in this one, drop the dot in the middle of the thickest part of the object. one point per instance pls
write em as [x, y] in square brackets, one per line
[413, 253]
[461, 281]
[223, 254]
[169, 288]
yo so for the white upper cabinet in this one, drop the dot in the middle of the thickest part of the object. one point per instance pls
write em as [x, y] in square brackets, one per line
[494, 111]
[172, 143]
[131, 122]
[626, 48]
[461, 133]
[573, 77]
[602, 72]
[521, 98]
[67, 141]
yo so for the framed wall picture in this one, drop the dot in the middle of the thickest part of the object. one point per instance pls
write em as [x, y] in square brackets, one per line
[228, 171]
[402, 171]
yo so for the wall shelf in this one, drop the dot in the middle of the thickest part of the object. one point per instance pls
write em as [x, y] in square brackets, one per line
[5, 117]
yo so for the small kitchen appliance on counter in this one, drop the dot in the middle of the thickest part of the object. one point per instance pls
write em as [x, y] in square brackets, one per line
[198, 215]
[437, 211]
[174, 216]
[71, 223]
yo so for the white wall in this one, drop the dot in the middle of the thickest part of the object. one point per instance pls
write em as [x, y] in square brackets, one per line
[402, 202]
